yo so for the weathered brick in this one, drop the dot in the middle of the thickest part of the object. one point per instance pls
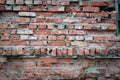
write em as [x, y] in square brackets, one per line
[19, 1]
[3, 59]
[5, 43]
[28, 2]
[20, 43]
[37, 8]
[71, 20]
[10, 1]
[99, 4]
[54, 9]
[24, 31]
[40, 20]
[101, 14]
[54, 20]
[45, 14]
[5, 38]
[48, 60]
[2, 2]
[45, 32]
[91, 9]
[56, 43]
[2, 8]
[37, 1]
[24, 37]
[76, 32]
[32, 14]
[42, 43]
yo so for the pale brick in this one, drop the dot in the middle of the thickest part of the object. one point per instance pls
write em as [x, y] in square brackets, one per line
[24, 31]
[27, 14]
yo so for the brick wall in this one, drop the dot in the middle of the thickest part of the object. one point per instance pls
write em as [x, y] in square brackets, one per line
[59, 39]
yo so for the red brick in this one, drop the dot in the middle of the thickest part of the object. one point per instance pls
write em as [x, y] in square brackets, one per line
[2, 1]
[5, 43]
[14, 52]
[59, 32]
[112, 28]
[86, 51]
[84, 3]
[48, 60]
[76, 32]
[45, 14]
[50, 26]
[81, 52]
[56, 43]
[73, 9]
[8, 51]
[40, 20]
[59, 52]
[79, 38]
[100, 38]
[20, 51]
[81, 14]
[113, 14]
[108, 44]
[55, 2]
[90, 21]
[5, 37]
[10, 31]
[45, 32]
[24, 8]
[24, 19]
[20, 43]
[60, 38]
[29, 64]
[70, 52]
[32, 26]
[2, 8]
[91, 9]
[1, 31]
[52, 38]
[1, 51]
[64, 52]
[41, 43]
[38, 8]
[47, 2]
[42, 26]
[54, 20]
[3, 59]
[99, 4]
[63, 2]
[101, 14]
[92, 52]
[43, 37]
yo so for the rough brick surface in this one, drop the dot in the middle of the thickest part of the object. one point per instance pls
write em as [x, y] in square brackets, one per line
[53, 39]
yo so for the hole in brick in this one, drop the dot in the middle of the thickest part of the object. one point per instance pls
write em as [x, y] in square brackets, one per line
[23, 25]
[110, 9]
[75, 2]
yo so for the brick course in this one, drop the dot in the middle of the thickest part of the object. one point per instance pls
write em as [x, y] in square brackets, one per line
[56, 39]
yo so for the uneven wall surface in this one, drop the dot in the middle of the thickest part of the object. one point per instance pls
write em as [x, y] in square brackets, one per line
[59, 39]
